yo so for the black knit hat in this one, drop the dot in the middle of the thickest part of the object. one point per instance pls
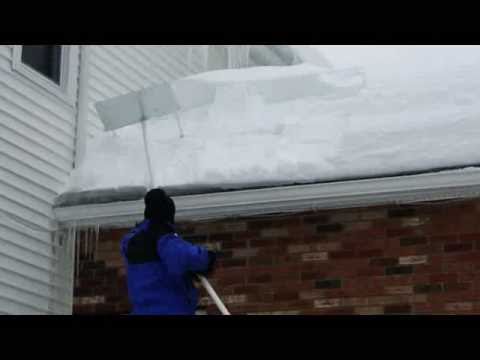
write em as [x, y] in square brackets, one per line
[159, 207]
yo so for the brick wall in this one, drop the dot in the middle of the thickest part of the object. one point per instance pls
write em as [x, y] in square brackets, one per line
[417, 259]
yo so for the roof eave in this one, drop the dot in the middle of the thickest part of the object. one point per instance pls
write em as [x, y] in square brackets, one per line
[346, 194]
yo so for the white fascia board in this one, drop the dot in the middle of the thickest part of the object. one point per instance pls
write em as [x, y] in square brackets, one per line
[345, 194]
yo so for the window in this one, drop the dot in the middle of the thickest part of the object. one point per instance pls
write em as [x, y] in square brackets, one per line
[48, 66]
[46, 59]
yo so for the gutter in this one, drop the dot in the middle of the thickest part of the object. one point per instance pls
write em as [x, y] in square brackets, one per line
[460, 184]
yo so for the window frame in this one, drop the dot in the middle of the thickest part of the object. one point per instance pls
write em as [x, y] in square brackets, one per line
[63, 91]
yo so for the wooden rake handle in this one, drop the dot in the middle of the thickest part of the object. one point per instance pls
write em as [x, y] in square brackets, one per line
[211, 291]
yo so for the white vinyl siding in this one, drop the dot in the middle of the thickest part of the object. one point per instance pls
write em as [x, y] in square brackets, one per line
[37, 137]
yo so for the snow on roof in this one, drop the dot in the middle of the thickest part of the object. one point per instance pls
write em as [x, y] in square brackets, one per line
[427, 119]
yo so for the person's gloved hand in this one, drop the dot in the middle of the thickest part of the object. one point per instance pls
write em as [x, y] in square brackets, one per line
[212, 259]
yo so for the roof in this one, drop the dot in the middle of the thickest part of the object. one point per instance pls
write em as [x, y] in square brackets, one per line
[343, 134]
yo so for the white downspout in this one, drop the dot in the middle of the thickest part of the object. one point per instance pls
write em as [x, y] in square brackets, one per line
[82, 105]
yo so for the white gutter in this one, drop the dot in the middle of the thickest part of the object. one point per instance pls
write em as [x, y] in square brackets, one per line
[82, 113]
[346, 194]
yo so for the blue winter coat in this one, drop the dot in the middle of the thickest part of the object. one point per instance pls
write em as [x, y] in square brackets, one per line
[159, 272]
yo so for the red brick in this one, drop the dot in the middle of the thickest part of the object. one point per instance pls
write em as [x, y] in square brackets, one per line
[223, 237]
[232, 262]
[356, 226]
[285, 296]
[458, 247]
[84, 309]
[230, 280]
[328, 246]
[259, 224]
[342, 254]
[311, 294]
[467, 277]
[374, 253]
[316, 219]
[285, 276]
[337, 311]
[372, 233]
[336, 293]
[369, 310]
[327, 303]
[344, 217]
[463, 257]
[263, 243]
[393, 290]
[241, 253]
[246, 235]
[362, 277]
[392, 261]
[398, 309]
[469, 237]
[373, 214]
[442, 227]
[310, 275]
[261, 261]
[457, 267]
[238, 226]
[413, 260]
[442, 277]
[317, 238]
[316, 256]
[330, 228]
[274, 232]
[370, 271]
[300, 248]
[453, 296]
[459, 306]
[394, 280]
[430, 249]
[423, 309]
[469, 223]
[388, 300]
[457, 286]
[415, 221]
[444, 238]
[355, 301]
[401, 212]
[235, 299]
[107, 309]
[259, 278]
[234, 244]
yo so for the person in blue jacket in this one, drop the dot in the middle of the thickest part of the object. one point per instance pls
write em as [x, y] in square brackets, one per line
[161, 266]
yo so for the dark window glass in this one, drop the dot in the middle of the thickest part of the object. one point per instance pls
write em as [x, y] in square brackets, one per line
[45, 59]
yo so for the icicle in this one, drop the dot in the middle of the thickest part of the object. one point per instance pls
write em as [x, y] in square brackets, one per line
[229, 57]
[97, 233]
[77, 250]
[246, 60]
[96, 248]
[85, 240]
[238, 56]
[205, 55]
[190, 57]
[90, 246]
